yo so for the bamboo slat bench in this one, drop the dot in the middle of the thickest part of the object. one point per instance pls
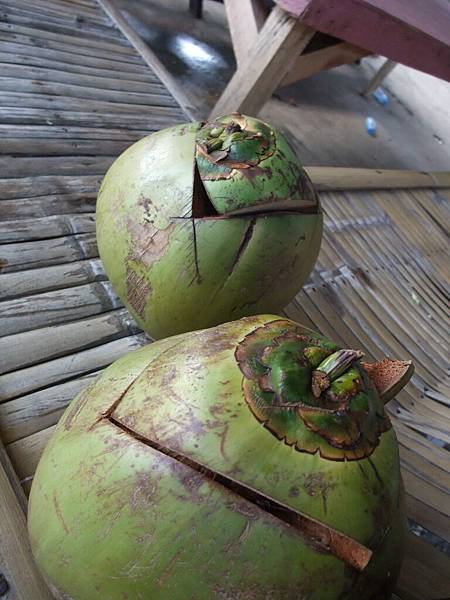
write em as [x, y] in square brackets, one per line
[74, 94]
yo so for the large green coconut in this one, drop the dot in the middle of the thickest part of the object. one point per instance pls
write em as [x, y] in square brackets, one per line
[250, 461]
[203, 223]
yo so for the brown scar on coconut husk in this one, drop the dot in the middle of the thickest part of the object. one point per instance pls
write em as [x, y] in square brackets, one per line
[389, 376]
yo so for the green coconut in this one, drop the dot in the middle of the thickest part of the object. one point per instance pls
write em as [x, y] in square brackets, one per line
[204, 223]
[253, 460]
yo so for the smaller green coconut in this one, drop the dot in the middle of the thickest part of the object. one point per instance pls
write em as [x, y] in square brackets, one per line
[251, 461]
[204, 223]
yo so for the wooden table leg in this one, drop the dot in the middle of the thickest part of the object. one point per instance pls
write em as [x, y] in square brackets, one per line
[379, 76]
[276, 49]
[245, 19]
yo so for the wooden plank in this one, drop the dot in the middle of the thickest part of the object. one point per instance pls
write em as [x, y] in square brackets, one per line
[47, 374]
[26, 230]
[32, 116]
[90, 3]
[16, 560]
[78, 14]
[26, 452]
[48, 343]
[48, 205]
[72, 165]
[73, 133]
[46, 279]
[50, 147]
[46, 17]
[149, 57]
[275, 51]
[78, 3]
[56, 9]
[56, 103]
[11, 84]
[85, 45]
[30, 414]
[46, 23]
[32, 59]
[104, 82]
[29, 187]
[32, 39]
[59, 306]
[26, 51]
[414, 33]
[320, 60]
[63, 7]
[53, 12]
[43, 253]
[245, 19]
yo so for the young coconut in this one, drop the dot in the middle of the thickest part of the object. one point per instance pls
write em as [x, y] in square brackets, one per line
[214, 465]
[203, 223]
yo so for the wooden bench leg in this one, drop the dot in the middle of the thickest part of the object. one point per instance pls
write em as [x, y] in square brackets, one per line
[309, 64]
[245, 19]
[275, 50]
[379, 76]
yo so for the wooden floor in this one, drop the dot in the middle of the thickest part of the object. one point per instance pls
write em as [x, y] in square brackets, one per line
[74, 94]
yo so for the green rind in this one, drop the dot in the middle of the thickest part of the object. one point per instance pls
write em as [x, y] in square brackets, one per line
[275, 178]
[228, 444]
[175, 273]
[241, 283]
[149, 184]
[111, 517]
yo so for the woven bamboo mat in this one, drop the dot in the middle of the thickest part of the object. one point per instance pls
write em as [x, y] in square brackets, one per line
[381, 284]
[74, 94]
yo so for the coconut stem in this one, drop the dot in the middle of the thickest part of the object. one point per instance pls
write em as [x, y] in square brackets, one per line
[331, 368]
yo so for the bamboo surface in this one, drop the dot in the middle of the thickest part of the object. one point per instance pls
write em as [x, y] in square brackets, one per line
[74, 94]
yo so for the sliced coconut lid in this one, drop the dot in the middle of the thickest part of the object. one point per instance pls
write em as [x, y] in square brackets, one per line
[247, 166]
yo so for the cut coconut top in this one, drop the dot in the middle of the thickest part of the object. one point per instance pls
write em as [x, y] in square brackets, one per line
[245, 166]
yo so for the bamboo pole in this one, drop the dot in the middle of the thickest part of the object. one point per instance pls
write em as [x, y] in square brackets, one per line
[337, 178]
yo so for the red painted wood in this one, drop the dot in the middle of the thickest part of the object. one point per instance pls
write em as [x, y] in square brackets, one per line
[412, 32]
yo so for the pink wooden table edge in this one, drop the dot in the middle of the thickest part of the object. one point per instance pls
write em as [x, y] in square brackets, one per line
[402, 30]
